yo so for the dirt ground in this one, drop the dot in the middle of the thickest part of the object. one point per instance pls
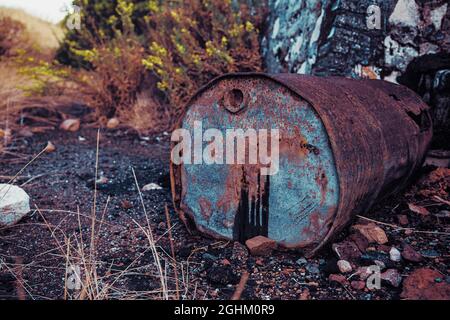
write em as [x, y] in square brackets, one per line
[61, 187]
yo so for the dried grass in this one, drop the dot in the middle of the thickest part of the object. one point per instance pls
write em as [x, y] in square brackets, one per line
[79, 254]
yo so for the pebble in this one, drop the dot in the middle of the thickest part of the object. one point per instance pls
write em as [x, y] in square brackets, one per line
[392, 276]
[112, 123]
[395, 255]
[403, 219]
[339, 278]
[302, 261]
[151, 186]
[409, 254]
[312, 268]
[358, 285]
[363, 272]
[359, 240]
[346, 250]
[372, 232]
[70, 125]
[344, 266]
[260, 246]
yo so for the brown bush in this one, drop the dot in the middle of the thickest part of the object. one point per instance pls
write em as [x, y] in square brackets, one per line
[184, 44]
[116, 78]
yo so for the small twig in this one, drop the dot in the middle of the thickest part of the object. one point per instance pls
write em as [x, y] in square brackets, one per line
[241, 286]
[442, 200]
[172, 249]
[401, 228]
[32, 179]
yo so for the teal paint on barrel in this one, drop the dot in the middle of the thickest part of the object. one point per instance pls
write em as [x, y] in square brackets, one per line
[343, 145]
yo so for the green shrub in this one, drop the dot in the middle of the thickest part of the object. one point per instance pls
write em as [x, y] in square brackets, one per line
[180, 44]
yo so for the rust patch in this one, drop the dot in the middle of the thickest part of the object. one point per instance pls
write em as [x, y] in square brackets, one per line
[205, 208]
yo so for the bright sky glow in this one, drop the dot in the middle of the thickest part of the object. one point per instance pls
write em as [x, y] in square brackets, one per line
[50, 10]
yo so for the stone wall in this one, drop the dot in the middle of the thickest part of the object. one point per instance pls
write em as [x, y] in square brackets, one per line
[411, 44]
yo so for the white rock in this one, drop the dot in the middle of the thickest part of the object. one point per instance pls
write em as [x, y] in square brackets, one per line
[437, 15]
[344, 266]
[14, 204]
[151, 186]
[395, 255]
[112, 123]
[70, 125]
[406, 13]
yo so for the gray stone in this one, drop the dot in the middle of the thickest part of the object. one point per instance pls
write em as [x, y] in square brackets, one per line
[392, 276]
[312, 268]
[302, 261]
[344, 266]
[395, 255]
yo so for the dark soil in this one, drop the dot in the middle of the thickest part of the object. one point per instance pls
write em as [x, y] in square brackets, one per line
[62, 192]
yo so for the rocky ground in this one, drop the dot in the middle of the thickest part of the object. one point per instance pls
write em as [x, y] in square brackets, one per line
[406, 236]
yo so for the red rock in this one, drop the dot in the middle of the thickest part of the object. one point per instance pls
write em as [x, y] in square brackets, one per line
[339, 278]
[403, 219]
[410, 254]
[372, 232]
[422, 285]
[392, 276]
[358, 285]
[346, 250]
[359, 240]
[418, 209]
[260, 246]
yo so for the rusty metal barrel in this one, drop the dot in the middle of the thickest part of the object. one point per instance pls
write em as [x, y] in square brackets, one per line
[343, 145]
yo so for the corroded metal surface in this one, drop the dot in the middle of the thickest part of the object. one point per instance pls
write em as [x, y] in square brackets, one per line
[344, 144]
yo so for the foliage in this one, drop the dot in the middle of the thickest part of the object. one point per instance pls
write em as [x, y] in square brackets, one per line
[182, 43]
[197, 40]
[45, 78]
[100, 22]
